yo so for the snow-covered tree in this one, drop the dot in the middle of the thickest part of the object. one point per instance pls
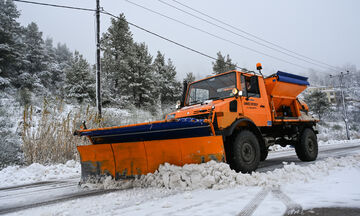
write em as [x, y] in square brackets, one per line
[142, 84]
[169, 88]
[223, 64]
[35, 53]
[33, 59]
[79, 83]
[117, 45]
[10, 43]
[190, 77]
[317, 102]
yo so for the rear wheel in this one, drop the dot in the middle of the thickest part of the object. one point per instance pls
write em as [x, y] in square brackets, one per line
[245, 152]
[307, 147]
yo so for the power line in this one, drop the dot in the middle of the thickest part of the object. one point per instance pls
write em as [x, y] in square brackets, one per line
[252, 35]
[167, 39]
[130, 23]
[55, 5]
[214, 35]
[247, 38]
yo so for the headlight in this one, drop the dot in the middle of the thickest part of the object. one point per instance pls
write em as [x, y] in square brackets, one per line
[170, 116]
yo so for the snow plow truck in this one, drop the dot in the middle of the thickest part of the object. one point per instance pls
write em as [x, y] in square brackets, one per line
[232, 117]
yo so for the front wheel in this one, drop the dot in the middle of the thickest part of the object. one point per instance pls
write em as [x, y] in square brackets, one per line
[307, 147]
[245, 152]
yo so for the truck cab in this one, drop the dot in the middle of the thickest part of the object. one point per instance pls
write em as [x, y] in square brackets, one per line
[249, 109]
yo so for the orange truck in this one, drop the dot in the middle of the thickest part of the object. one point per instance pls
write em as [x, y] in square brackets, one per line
[232, 117]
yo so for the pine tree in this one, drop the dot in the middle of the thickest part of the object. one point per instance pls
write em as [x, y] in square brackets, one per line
[35, 48]
[117, 46]
[317, 102]
[189, 78]
[10, 43]
[50, 67]
[169, 88]
[63, 58]
[34, 59]
[222, 65]
[79, 83]
[142, 84]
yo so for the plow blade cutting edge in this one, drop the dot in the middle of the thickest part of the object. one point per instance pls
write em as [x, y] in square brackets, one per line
[134, 150]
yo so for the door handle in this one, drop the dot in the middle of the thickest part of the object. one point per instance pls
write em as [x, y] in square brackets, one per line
[262, 106]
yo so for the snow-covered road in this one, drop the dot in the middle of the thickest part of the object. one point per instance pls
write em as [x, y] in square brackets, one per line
[64, 197]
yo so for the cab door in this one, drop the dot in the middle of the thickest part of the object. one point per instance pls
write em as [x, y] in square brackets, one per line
[254, 100]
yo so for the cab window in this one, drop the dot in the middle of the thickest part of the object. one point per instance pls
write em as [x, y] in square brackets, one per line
[250, 86]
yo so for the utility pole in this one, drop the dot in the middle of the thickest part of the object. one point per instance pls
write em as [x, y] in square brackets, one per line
[345, 117]
[98, 81]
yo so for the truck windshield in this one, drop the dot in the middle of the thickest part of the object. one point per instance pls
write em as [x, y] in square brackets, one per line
[211, 89]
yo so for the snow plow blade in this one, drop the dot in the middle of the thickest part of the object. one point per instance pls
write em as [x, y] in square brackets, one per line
[134, 150]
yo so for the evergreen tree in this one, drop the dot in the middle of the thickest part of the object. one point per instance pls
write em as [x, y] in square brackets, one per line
[169, 88]
[35, 53]
[10, 43]
[117, 46]
[63, 58]
[142, 84]
[79, 83]
[50, 67]
[317, 102]
[189, 78]
[62, 53]
[34, 59]
[222, 65]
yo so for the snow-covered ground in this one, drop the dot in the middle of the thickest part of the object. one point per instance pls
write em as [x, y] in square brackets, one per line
[16, 175]
[213, 189]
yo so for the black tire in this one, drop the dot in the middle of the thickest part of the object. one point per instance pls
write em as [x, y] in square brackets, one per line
[245, 152]
[307, 147]
[264, 154]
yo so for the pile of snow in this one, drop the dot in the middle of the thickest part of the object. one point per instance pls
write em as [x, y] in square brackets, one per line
[16, 175]
[277, 148]
[335, 142]
[213, 175]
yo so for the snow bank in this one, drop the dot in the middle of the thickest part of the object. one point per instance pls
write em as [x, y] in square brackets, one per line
[335, 142]
[215, 175]
[16, 175]
[277, 148]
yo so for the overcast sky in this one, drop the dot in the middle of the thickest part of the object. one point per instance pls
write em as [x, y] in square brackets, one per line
[326, 30]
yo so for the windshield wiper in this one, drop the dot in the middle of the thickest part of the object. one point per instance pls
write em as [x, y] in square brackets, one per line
[214, 98]
[195, 102]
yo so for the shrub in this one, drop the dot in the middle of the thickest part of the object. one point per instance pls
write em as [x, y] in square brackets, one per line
[49, 138]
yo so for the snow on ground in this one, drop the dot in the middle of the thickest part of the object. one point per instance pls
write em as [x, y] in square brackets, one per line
[16, 175]
[277, 148]
[210, 188]
[213, 175]
[213, 189]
